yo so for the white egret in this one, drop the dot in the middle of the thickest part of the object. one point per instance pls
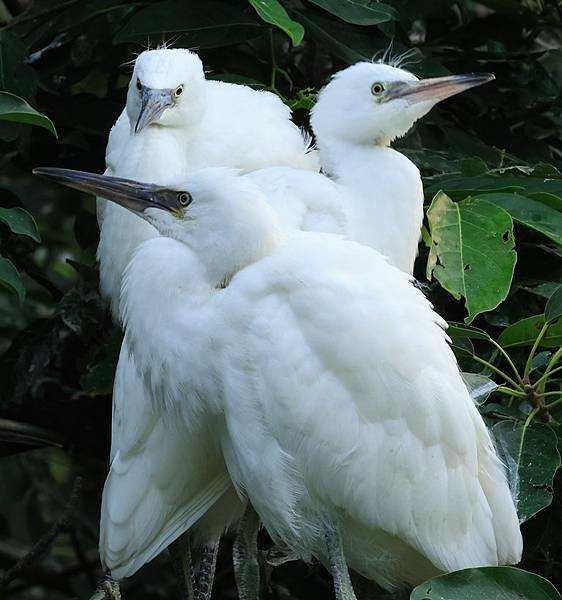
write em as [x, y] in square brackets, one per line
[175, 121]
[375, 194]
[345, 419]
[376, 198]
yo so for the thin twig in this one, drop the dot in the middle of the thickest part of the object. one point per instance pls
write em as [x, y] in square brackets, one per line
[44, 542]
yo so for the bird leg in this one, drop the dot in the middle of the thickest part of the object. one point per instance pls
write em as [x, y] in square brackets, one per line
[205, 572]
[245, 556]
[180, 552]
[108, 589]
[338, 566]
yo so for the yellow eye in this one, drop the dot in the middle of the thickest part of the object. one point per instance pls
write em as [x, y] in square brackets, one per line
[184, 199]
[178, 91]
[377, 88]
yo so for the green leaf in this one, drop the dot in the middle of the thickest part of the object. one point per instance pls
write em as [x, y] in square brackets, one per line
[208, 24]
[548, 199]
[272, 12]
[359, 12]
[471, 167]
[487, 583]
[532, 459]
[459, 187]
[10, 278]
[471, 252]
[20, 222]
[553, 308]
[461, 330]
[531, 213]
[16, 109]
[525, 332]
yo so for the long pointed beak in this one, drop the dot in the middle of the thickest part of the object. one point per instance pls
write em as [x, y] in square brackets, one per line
[133, 195]
[438, 88]
[154, 103]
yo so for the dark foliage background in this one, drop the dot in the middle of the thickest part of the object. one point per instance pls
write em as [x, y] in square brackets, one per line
[69, 60]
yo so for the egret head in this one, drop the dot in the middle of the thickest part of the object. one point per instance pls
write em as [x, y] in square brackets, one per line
[167, 89]
[374, 103]
[220, 215]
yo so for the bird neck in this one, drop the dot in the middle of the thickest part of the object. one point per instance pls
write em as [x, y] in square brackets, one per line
[387, 192]
[165, 304]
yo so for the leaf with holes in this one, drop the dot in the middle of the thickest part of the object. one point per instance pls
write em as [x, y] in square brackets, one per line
[532, 459]
[10, 278]
[20, 222]
[487, 583]
[471, 253]
[273, 13]
[16, 109]
[530, 213]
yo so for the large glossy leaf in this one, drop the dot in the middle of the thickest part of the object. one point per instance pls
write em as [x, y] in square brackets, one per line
[10, 278]
[359, 12]
[461, 330]
[272, 12]
[20, 222]
[531, 213]
[345, 41]
[548, 199]
[525, 332]
[532, 459]
[487, 583]
[471, 253]
[194, 25]
[16, 109]
[553, 308]
[459, 187]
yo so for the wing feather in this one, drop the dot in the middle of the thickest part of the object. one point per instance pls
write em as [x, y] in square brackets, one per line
[362, 393]
[161, 482]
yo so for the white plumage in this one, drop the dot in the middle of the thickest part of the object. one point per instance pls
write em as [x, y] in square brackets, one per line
[324, 375]
[162, 481]
[212, 123]
[374, 195]
[339, 391]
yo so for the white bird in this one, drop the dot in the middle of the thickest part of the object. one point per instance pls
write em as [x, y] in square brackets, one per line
[345, 419]
[162, 482]
[376, 197]
[374, 194]
[176, 122]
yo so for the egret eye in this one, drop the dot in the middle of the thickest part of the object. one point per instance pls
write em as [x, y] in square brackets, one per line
[139, 85]
[178, 91]
[377, 88]
[184, 199]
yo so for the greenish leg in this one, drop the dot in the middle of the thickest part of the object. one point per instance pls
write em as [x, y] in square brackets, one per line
[108, 589]
[245, 556]
[338, 566]
[180, 553]
[205, 573]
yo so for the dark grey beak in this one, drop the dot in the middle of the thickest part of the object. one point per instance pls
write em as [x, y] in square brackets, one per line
[154, 103]
[133, 195]
[438, 88]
